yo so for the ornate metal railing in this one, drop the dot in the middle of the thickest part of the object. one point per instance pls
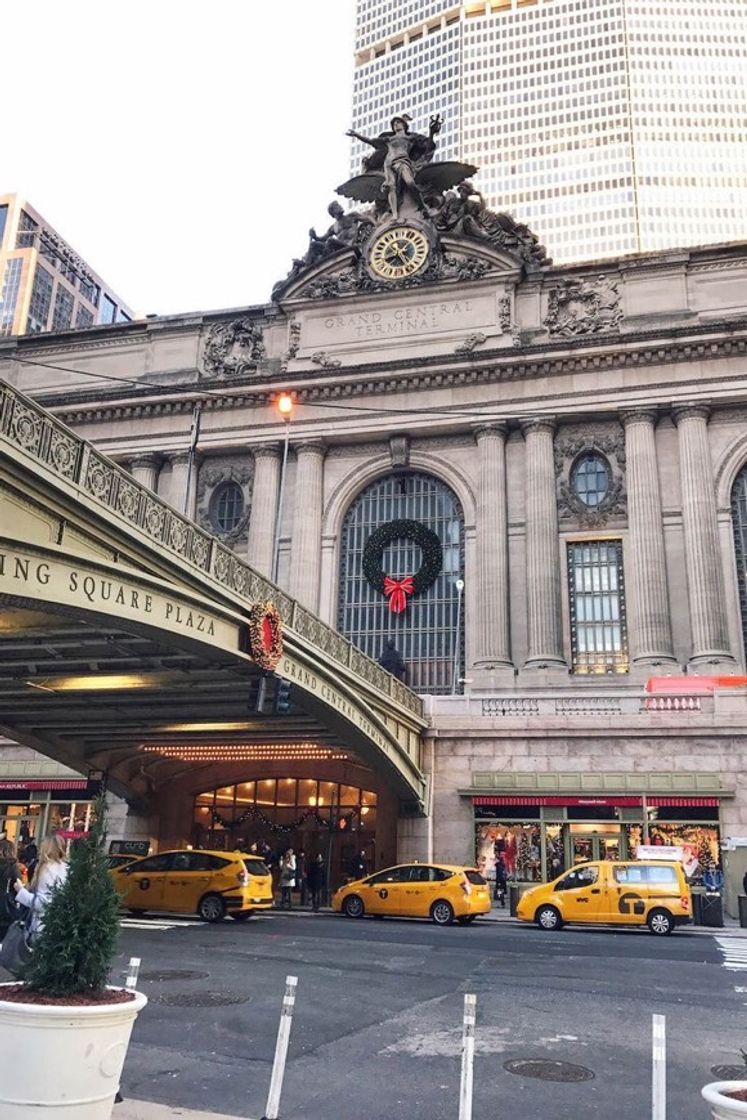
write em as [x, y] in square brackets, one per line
[37, 433]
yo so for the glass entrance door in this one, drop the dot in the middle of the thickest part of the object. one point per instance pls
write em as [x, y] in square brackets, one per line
[594, 842]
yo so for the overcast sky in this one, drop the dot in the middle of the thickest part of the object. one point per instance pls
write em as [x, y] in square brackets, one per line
[182, 147]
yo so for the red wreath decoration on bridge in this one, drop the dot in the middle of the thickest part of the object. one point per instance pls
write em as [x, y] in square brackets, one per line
[265, 628]
[397, 590]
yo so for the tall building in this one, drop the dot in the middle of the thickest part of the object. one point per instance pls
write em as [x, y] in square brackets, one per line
[608, 126]
[45, 285]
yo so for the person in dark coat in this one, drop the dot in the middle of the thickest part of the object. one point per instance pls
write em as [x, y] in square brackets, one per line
[744, 883]
[359, 866]
[316, 878]
[9, 874]
[302, 876]
[391, 660]
[500, 882]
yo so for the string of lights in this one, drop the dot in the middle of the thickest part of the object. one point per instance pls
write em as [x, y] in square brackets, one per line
[245, 752]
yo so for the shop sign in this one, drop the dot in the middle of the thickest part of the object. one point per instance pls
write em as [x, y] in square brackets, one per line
[129, 847]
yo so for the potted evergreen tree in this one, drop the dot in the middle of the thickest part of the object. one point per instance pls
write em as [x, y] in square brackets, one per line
[64, 1031]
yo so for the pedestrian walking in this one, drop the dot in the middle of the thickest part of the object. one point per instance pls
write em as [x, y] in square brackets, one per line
[51, 871]
[287, 879]
[317, 881]
[10, 872]
[500, 882]
[744, 883]
[29, 856]
[301, 877]
[713, 880]
[359, 866]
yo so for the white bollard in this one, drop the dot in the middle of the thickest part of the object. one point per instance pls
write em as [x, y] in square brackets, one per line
[659, 1069]
[468, 1057]
[132, 974]
[281, 1049]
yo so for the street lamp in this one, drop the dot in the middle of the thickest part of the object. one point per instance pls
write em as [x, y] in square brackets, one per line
[455, 660]
[285, 408]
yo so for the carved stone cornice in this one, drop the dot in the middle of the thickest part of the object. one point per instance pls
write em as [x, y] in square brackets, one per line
[638, 416]
[691, 410]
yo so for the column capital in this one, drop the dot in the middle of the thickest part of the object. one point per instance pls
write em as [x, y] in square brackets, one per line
[178, 458]
[310, 447]
[641, 415]
[691, 410]
[266, 451]
[538, 424]
[146, 460]
[490, 428]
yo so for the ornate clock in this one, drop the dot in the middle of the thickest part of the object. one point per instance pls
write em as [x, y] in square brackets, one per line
[398, 252]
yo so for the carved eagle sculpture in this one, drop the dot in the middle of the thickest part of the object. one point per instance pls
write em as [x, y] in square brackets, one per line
[433, 178]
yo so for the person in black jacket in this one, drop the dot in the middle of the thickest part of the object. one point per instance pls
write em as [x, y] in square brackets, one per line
[316, 879]
[9, 874]
[500, 882]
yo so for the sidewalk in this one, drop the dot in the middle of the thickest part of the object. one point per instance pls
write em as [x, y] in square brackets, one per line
[145, 1110]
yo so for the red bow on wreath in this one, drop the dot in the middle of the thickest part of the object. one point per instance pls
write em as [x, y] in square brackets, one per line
[397, 591]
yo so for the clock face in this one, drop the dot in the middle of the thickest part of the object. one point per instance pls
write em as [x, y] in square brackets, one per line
[399, 252]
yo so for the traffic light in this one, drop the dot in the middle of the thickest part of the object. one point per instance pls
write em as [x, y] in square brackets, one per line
[282, 696]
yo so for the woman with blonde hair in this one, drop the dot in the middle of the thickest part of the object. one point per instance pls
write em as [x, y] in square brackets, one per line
[50, 873]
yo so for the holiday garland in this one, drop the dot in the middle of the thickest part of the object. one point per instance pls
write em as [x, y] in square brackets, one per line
[341, 820]
[265, 629]
[427, 574]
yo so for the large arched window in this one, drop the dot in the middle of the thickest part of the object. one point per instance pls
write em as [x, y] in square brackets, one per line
[427, 633]
[739, 525]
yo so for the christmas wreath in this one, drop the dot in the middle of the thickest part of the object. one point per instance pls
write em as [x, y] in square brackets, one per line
[265, 629]
[397, 590]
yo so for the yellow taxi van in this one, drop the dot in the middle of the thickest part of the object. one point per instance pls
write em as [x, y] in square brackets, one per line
[209, 884]
[652, 893]
[441, 892]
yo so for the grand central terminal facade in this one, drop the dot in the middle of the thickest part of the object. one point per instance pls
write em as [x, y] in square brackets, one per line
[506, 495]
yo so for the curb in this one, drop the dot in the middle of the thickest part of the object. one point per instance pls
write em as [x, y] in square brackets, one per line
[147, 1110]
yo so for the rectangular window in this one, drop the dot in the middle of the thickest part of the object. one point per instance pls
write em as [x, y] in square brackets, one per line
[9, 294]
[3, 220]
[84, 317]
[41, 299]
[63, 309]
[108, 310]
[89, 290]
[27, 228]
[599, 639]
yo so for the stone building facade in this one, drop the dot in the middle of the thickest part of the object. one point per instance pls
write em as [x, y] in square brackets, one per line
[576, 440]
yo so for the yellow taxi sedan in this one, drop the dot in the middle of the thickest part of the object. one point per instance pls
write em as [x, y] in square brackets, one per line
[441, 892]
[209, 884]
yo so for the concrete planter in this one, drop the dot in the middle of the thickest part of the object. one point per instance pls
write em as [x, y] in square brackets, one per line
[723, 1107]
[63, 1062]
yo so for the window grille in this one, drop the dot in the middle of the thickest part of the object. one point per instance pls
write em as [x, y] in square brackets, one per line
[427, 633]
[599, 638]
[228, 507]
[739, 527]
[590, 479]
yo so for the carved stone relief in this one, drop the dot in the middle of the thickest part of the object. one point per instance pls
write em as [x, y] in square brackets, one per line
[578, 307]
[234, 348]
[214, 472]
[571, 443]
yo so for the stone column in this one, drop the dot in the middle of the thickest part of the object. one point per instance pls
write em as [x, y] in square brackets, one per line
[144, 469]
[544, 632]
[306, 546]
[705, 574]
[493, 646]
[179, 461]
[264, 508]
[650, 627]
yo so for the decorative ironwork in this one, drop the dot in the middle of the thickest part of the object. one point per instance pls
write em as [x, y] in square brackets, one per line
[576, 451]
[426, 633]
[596, 591]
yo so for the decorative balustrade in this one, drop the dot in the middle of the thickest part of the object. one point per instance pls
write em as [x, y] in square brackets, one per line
[34, 432]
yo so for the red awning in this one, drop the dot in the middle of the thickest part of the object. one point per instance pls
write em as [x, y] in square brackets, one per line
[601, 800]
[43, 783]
[683, 802]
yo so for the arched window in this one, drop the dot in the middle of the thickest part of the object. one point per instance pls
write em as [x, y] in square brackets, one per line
[739, 526]
[227, 507]
[590, 479]
[427, 633]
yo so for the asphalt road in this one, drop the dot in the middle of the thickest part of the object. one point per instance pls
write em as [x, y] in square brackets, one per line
[377, 1029]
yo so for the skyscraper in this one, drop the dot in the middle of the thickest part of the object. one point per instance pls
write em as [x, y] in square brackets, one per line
[44, 284]
[608, 126]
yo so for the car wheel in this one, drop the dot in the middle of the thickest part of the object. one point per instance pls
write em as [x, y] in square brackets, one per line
[467, 920]
[442, 912]
[242, 915]
[353, 906]
[547, 917]
[137, 913]
[212, 908]
[660, 922]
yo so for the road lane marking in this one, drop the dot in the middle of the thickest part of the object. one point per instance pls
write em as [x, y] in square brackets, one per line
[735, 953]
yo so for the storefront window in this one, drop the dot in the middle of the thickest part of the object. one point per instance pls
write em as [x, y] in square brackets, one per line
[700, 843]
[516, 843]
[554, 851]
